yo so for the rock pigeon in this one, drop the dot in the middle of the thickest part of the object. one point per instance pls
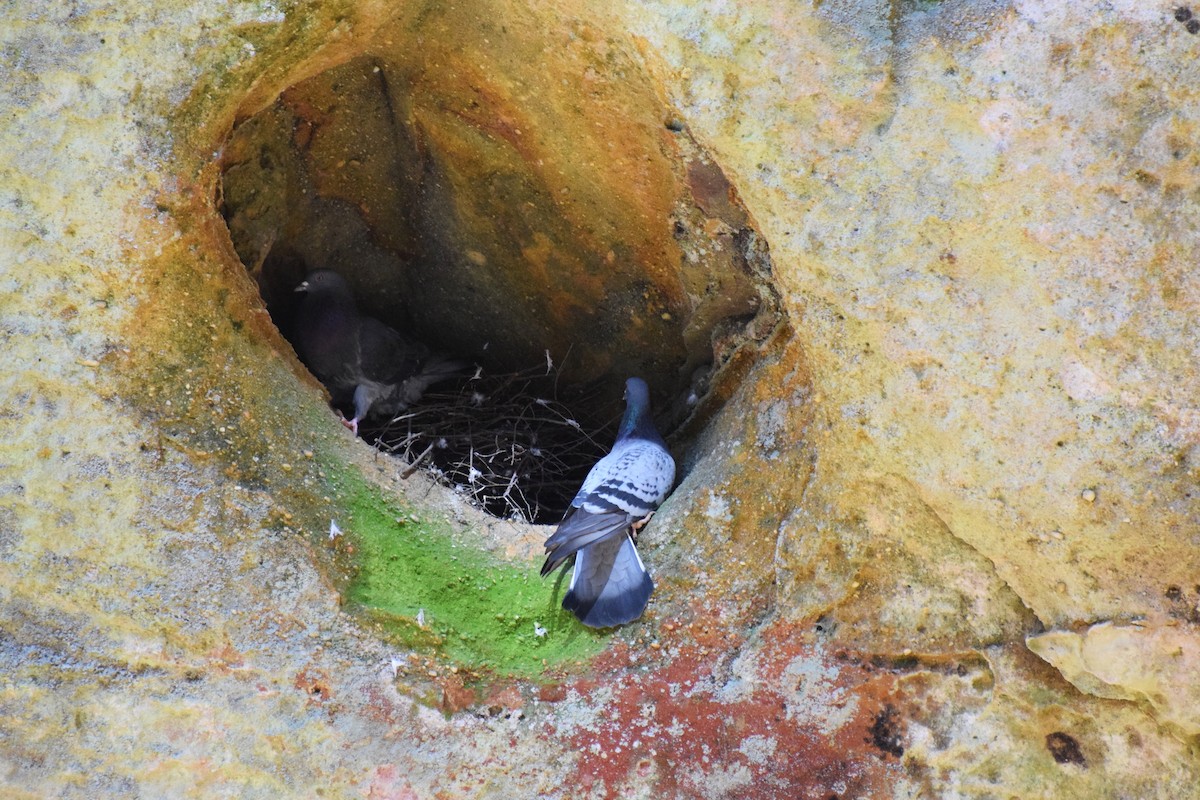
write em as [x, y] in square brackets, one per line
[358, 358]
[610, 585]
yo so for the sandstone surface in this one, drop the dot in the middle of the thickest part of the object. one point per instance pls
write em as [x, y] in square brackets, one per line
[930, 264]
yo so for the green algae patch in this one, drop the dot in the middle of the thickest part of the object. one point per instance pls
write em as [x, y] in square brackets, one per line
[422, 585]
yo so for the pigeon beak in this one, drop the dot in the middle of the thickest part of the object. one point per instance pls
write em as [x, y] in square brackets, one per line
[303, 287]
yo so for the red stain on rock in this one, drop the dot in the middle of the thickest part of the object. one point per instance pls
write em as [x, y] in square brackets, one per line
[387, 783]
[776, 717]
[456, 695]
[503, 698]
[315, 685]
[552, 693]
[382, 706]
[225, 658]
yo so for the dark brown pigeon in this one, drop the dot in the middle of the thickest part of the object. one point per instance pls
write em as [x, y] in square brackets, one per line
[359, 359]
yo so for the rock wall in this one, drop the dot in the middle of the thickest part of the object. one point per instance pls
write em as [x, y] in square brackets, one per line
[935, 534]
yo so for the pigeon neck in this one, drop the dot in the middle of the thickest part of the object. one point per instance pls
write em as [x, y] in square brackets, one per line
[637, 424]
[333, 304]
[342, 301]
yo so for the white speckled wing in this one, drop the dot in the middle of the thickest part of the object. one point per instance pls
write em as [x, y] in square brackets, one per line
[633, 479]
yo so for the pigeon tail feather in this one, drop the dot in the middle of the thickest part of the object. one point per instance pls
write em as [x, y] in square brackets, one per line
[610, 585]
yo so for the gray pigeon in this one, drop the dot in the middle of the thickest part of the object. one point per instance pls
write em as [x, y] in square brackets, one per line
[610, 585]
[358, 358]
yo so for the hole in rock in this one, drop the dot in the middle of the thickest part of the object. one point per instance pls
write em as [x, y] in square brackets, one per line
[518, 198]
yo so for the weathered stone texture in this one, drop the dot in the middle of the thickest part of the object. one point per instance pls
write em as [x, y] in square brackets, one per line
[940, 540]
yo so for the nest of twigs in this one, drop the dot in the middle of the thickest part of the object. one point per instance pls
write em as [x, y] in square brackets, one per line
[514, 443]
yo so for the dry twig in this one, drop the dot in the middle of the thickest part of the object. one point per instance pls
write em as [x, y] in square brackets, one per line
[508, 441]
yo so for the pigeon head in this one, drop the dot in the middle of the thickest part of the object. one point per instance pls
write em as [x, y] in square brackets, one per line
[636, 421]
[325, 282]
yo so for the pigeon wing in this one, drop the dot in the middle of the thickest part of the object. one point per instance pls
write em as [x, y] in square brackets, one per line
[579, 530]
[384, 355]
[624, 486]
[435, 369]
[634, 479]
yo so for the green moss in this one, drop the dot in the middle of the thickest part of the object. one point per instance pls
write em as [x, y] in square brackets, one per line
[479, 612]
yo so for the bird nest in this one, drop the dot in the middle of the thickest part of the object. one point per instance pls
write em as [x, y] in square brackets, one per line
[516, 444]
